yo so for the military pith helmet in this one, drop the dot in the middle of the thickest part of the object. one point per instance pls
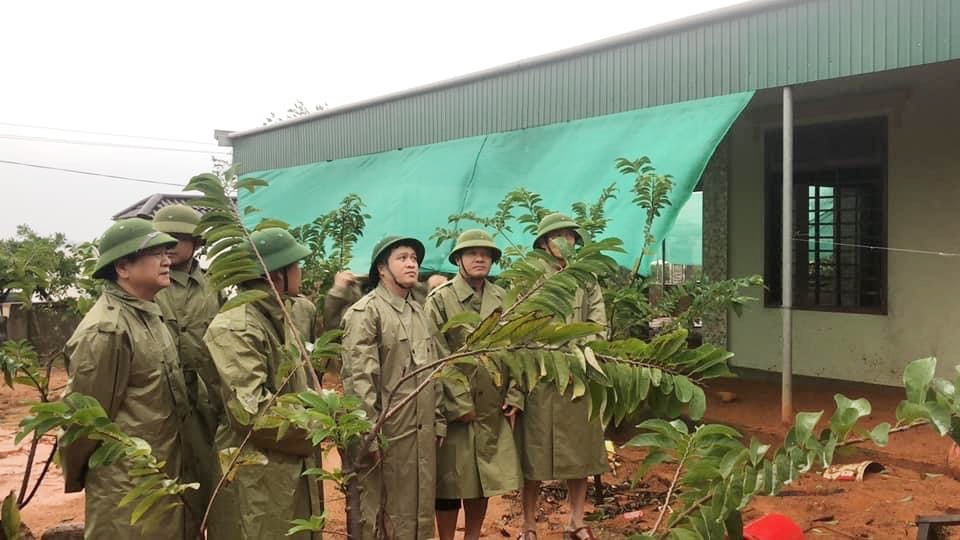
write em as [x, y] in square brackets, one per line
[474, 238]
[383, 248]
[177, 219]
[278, 248]
[127, 237]
[557, 222]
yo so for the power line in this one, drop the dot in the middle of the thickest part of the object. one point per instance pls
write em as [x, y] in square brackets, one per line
[104, 133]
[90, 173]
[879, 248]
[114, 145]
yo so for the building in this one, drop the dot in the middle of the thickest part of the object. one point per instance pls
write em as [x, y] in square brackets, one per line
[873, 86]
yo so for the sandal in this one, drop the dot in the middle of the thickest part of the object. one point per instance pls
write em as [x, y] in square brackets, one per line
[528, 534]
[583, 533]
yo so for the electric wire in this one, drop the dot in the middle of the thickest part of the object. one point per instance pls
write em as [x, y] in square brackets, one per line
[881, 248]
[104, 133]
[91, 173]
[109, 144]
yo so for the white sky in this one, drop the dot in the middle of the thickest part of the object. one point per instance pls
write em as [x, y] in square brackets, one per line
[180, 69]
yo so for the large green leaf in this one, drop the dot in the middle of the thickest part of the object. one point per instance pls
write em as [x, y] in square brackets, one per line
[10, 516]
[804, 425]
[917, 377]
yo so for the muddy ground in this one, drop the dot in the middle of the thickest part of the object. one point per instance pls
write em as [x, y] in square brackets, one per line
[882, 506]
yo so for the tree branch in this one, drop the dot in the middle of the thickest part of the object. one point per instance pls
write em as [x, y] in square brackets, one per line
[673, 485]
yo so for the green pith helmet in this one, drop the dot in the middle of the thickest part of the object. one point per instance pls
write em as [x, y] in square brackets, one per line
[278, 247]
[382, 249]
[556, 222]
[127, 237]
[177, 219]
[474, 238]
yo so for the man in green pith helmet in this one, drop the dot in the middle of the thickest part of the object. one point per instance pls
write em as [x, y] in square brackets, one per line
[248, 344]
[557, 438]
[478, 458]
[122, 355]
[386, 336]
[188, 306]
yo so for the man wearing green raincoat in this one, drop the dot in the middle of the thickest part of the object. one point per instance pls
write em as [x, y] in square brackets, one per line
[386, 336]
[557, 439]
[248, 345]
[478, 458]
[122, 355]
[188, 306]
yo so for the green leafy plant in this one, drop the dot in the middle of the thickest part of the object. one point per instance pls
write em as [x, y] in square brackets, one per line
[331, 238]
[523, 209]
[930, 399]
[82, 417]
[652, 192]
[716, 474]
[20, 365]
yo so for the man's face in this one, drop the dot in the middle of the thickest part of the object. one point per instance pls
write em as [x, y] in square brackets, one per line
[183, 251]
[403, 265]
[149, 271]
[563, 235]
[475, 262]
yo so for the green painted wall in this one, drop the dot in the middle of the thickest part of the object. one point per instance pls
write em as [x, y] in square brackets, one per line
[798, 42]
[923, 201]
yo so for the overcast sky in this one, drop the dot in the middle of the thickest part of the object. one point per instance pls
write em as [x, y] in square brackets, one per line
[179, 70]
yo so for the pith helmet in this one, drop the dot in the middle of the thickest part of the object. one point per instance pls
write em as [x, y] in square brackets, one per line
[382, 249]
[177, 219]
[127, 237]
[556, 222]
[278, 247]
[474, 238]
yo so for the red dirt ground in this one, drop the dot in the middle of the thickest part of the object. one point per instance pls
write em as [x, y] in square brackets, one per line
[882, 506]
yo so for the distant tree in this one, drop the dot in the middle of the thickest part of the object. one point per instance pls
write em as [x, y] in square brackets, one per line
[33, 266]
[296, 110]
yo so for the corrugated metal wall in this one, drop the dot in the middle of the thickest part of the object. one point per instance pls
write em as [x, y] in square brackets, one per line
[802, 42]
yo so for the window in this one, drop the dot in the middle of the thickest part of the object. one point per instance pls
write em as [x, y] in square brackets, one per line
[839, 198]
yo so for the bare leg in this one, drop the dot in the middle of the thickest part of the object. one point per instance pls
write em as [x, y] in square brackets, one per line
[474, 510]
[530, 495]
[447, 523]
[577, 493]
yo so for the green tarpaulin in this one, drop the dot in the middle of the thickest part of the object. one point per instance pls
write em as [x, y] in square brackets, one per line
[412, 191]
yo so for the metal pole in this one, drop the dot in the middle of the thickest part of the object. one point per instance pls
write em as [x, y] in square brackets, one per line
[786, 391]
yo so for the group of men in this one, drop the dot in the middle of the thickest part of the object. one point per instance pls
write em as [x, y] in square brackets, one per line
[168, 367]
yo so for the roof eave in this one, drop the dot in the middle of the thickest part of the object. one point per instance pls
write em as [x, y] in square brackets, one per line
[729, 12]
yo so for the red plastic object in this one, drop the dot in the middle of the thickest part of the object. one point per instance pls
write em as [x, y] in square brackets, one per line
[772, 527]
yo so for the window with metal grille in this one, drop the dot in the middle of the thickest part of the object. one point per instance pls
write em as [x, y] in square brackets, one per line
[839, 226]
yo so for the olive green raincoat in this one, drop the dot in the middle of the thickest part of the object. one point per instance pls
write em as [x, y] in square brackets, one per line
[123, 355]
[339, 300]
[557, 440]
[304, 314]
[478, 459]
[247, 345]
[188, 306]
[385, 337]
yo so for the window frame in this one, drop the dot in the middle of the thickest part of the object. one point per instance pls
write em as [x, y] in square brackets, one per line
[772, 236]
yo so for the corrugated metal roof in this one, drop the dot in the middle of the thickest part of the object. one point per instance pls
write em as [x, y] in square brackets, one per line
[148, 206]
[762, 45]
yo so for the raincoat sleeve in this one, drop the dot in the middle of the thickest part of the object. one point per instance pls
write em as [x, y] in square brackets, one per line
[242, 366]
[594, 309]
[100, 364]
[336, 303]
[360, 358]
[454, 398]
